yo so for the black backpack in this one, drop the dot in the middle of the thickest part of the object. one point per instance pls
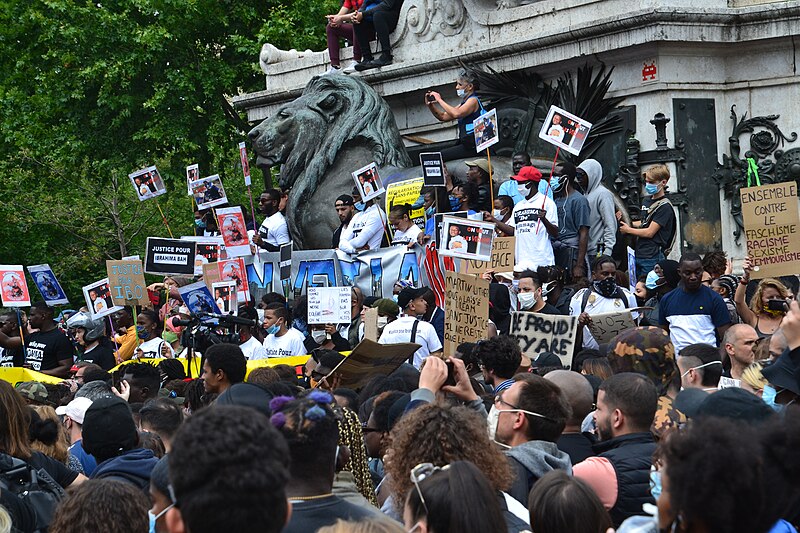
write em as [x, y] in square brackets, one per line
[34, 487]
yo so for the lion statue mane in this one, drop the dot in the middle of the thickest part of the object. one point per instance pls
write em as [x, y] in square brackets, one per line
[339, 124]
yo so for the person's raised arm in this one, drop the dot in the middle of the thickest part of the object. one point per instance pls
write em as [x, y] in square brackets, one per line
[745, 313]
[10, 343]
[463, 110]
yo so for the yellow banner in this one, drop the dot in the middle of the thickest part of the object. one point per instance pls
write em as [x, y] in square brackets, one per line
[406, 192]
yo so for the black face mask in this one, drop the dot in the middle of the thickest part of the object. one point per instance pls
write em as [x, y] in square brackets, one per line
[606, 287]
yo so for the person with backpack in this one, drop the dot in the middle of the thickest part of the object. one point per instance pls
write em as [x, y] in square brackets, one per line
[602, 296]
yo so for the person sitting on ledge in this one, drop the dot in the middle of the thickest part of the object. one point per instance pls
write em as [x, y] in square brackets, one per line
[381, 20]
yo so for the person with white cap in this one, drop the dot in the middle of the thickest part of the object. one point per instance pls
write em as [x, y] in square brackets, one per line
[73, 414]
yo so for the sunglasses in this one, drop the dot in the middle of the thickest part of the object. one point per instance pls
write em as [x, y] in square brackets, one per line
[420, 473]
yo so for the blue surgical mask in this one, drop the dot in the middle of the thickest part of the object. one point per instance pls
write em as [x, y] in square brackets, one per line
[651, 188]
[768, 395]
[154, 517]
[455, 203]
[273, 329]
[418, 203]
[652, 280]
[360, 206]
[655, 483]
[555, 182]
[142, 332]
[200, 223]
[430, 211]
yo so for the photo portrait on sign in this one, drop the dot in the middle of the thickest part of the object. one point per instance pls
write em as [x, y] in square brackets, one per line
[98, 299]
[467, 239]
[14, 288]
[245, 164]
[234, 231]
[225, 297]
[48, 285]
[368, 182]
[234, 270]
[147, 183]
[208, 192]
[209, 250]
[565, 130]
[486, 130]
[198, 298]
[192, 174]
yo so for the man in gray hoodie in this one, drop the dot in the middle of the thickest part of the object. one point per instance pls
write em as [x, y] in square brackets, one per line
[602, 221]
[531, 416]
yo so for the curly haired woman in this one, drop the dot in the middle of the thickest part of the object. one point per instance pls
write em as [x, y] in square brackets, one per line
[758, 314]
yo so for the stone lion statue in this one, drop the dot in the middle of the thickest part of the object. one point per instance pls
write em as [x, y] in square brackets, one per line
[339, 124]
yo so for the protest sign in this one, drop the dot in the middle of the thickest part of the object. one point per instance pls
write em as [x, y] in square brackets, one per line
[198, 298]
[225, 297]
[14, 286]
[285, 265]
[148, 183]
[502, 258]
[192, 174]
[210, 275]
[48, 285]
[234, 270]
[485, 130]
[565, 130]
[370, 359]
[406, 192]
[208, 250]
[170, 256]
[208, 192]
[245, 164]
[329, 305]
[131, 258]
[466, 310]
[537, 333]
[126, 282]
[234, 231]
[371, 324]
[632, 270]
[432, 169]
[606, 326]
[438, 222]
[467, 239]
[772, 229]
[368, 182]
[98, 299]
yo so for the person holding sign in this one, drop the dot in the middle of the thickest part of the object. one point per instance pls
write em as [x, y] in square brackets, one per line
[148, 325]
[466, 112]
[533, 221]
[366, 228]
[47, 350]
[405, 231]
[759, 314]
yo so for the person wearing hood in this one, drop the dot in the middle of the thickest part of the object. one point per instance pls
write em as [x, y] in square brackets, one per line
[602, 218]
[662, 279]
[109, 434]
[531, 414]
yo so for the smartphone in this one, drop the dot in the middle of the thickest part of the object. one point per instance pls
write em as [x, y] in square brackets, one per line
[430, 98]
[778, 305]
[451, 374]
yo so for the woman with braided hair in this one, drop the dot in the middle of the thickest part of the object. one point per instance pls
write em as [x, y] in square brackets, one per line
[354, 469]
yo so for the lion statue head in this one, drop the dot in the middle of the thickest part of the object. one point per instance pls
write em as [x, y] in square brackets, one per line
[334, 116]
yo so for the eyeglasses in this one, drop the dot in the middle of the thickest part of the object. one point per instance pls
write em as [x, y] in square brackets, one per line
[365, 429]
[420, 473]
[499, 400]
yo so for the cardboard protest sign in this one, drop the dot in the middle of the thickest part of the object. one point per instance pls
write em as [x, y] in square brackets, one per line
[234, 270]
[485, 130]
[208, 192]
[198, 298]
[772, 229]
[48, 285]
[126, 282]
[406, 192]
[225, 297]
[208, 250]
[632, 270]
[537, 333]
[170, 256]
[565, 130]
[368, 182]
[466, 310]
[329, 305]
[210, 275]
[14, 286]
[245, 164]
[192, 174]
[502, 258]
[370, 359]
[371, 324]
[234, 231]
[148, 183]
[606, 326]
[98, 299]
[432, 169]
[467, 239]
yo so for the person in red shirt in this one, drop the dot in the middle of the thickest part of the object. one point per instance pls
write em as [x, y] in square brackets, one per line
[340, 26]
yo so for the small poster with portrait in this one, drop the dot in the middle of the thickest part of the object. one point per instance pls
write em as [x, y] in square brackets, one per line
[234, 231]
[148, 183]
[467, 239]
[98, 299]
[192, 174]
[48, 285]
[208, 192]
[368, 182]
[245, 164]
[225, 297]
[198, 298]
[564, 130]
[234, 270]
[209, 250]
[14, 286]
[485, 130]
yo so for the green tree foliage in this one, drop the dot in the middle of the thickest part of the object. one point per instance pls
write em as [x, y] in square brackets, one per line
[91, 91]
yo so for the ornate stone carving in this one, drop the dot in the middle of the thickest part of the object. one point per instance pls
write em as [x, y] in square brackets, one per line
[428, 19]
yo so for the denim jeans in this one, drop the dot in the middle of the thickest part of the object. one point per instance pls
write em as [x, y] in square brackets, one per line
[643, 266]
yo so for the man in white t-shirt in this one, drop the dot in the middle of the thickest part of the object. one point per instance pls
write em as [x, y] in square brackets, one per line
[408, 328]
[533, 221]
[250, 345]
[273, 231]
[282, 341]
[366, 228]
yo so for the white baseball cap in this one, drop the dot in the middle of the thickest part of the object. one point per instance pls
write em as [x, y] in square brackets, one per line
[76, 409]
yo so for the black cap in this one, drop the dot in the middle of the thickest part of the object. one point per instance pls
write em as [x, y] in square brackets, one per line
[408, 294]
[108, 428]
[736, 404]
[346, 199]
[547, 359]
[781, 374]
[246, 395]
[688, 401]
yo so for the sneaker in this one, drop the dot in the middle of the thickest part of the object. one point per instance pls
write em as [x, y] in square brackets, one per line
[364, 64]
[382, 61]
[333, 70]
[349, 69]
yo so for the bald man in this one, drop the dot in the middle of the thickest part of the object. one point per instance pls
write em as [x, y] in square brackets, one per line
[580, 397]
[738, 343]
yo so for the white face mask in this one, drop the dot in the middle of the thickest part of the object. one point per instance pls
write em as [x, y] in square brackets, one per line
[497, 213]
[382, 321]
[319, 335]
[491, 421]
[523, 189]
[527, 300]
[460, 92]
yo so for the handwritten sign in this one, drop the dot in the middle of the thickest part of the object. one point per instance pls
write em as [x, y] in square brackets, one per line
[772, 229]
[371, 324]
[606, 326]
[466, 310]
[537, 333]
[502, 258]
[329, 305]
[370, 359]
[126, 282]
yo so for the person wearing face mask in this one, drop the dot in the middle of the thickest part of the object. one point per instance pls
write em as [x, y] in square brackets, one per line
[602, 219]
[509, 187]
[602, 296]
[325, 336]
[466, 112]
[366, 229]
[529, 295]
[503, 206]
[569, 247]
[281, 341]
[532, 222]
[148, 325]
[657, 228]
[273, 231]
[408, 328]
[251, 347]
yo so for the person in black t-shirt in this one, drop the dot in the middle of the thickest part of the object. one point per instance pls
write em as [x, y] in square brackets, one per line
[10, 356]
[48, 350]
[89, 332]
